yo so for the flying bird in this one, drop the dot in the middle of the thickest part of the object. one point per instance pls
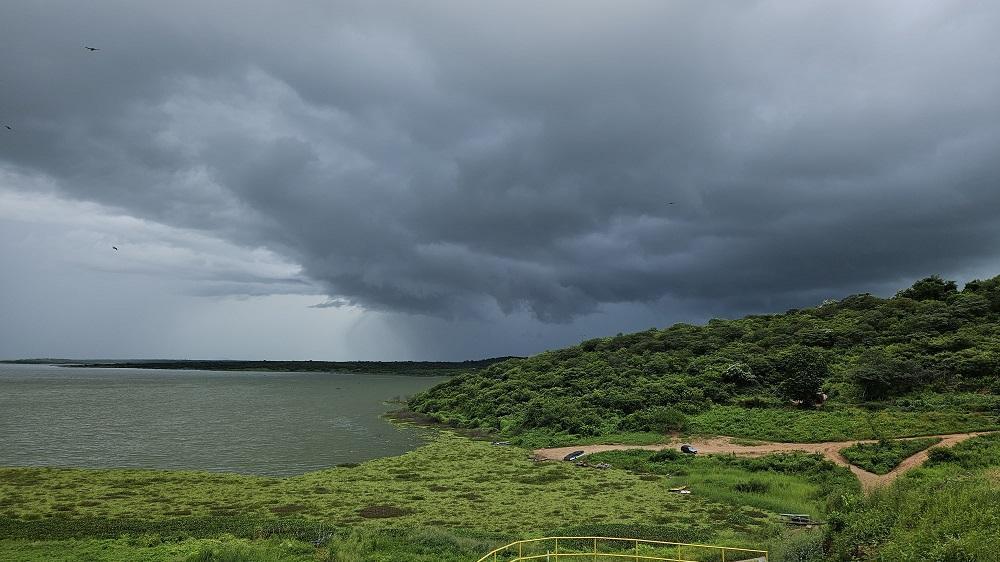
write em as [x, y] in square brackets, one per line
[671, 202]
[115, 248]
[9, 128]
[91, 49]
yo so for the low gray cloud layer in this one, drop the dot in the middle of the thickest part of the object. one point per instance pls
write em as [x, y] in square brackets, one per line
[463, 160]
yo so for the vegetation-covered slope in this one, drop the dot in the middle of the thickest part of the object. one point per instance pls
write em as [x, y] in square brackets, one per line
[929, 346]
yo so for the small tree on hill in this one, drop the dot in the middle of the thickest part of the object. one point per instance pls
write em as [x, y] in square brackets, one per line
[930, 288]
[879, 374]
[802, 371]
[988, 288]
[739, 374]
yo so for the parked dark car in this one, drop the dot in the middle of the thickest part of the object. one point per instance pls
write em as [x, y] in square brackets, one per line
[686, 448]
[573, 456]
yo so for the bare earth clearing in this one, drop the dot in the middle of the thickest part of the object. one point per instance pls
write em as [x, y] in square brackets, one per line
[724, 445]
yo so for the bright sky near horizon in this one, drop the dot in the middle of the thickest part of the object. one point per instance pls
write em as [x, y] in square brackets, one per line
[453, 180]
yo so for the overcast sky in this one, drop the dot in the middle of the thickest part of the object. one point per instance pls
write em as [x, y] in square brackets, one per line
[451, 180]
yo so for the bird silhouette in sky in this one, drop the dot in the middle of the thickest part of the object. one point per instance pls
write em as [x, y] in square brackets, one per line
[8, 127]
[671, 202]
[91, 49]
[115, 248]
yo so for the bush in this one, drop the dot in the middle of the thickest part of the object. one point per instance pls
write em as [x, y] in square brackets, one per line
[941, 455]
[666, 455]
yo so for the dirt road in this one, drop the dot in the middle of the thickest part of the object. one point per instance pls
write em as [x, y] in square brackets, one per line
[724, 445]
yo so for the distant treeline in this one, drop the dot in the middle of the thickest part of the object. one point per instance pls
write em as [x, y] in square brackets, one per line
[410, 368]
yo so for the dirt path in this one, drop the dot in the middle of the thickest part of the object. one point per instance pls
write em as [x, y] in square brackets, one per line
[724, 445]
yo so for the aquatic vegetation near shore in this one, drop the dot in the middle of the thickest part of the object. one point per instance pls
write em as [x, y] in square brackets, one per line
[451, 482]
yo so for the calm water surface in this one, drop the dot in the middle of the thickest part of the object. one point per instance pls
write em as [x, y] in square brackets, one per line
[262, 423]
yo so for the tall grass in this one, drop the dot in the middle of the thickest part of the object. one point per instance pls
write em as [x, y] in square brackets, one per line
[781, 483]
[948, 510]
[884, 455]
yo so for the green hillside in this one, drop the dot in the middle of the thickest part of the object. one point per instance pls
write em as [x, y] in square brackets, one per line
[921, 362]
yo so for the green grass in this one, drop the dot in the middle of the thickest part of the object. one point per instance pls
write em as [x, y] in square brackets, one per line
[152, 549]
[457, 498]
[59, 527]
[781, 483]
[452, 482]
[949, 509]
[884, 455]
[835, 424]
[413, 545]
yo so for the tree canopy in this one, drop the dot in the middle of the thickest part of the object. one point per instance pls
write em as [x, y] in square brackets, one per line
[928, 338]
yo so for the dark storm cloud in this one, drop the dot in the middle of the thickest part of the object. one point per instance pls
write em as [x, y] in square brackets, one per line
[452, 158]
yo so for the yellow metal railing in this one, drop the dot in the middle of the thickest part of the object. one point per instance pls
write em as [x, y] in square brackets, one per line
[550, 549]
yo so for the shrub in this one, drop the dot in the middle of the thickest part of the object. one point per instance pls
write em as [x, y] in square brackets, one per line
[941, 455]
[666, 455]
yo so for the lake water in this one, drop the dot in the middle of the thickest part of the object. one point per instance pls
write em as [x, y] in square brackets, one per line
[251, 422]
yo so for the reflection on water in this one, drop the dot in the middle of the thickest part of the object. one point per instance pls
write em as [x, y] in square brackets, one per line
[262, 423]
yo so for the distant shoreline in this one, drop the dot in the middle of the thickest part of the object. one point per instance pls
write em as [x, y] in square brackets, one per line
[408, 368]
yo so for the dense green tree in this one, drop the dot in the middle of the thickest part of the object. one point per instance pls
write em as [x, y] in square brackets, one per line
[988, 289]
[930, 288]
[740, 374]
[803, 371]
[879, 374]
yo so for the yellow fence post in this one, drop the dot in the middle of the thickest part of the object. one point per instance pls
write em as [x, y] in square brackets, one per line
[557, 549]
[595, 549]
[636, 550]
[520, 553]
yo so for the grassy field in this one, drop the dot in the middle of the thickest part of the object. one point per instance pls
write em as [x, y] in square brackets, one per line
[451, 483]
[389, 545]
[947, 510]
[153, 549]
[781, 483]
[456, 498]
[883, 456]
